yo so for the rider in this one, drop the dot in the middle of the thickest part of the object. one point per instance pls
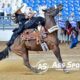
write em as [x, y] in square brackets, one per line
[25, 22]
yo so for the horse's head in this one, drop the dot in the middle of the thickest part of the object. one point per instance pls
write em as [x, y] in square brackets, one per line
[53, 11]
[49, 16]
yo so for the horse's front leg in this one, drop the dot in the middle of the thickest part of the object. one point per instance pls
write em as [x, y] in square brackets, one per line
[56, 51]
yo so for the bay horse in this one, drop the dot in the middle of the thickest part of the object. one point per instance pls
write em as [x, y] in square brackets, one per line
[21, 47]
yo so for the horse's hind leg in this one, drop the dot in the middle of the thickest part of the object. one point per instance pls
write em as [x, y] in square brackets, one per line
[56, 51]
[27, 64]
[26, 59]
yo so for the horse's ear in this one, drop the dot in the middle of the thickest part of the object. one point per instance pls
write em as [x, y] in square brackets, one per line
[44, 10]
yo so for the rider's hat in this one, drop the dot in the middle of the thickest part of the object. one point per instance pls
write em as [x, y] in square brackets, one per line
[21, 8]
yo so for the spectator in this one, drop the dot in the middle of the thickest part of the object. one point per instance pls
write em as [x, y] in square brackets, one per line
[61, 25]
[8, 11]
[68, 30]
[72, 20]
[78, 25]
[2, 11]
[74, 38]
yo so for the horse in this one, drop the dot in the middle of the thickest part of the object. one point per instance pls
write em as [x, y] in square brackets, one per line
[21, 47]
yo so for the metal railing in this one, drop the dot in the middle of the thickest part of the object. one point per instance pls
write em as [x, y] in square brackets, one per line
[7, 23]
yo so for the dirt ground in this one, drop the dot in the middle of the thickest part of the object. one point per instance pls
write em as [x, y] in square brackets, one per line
[12, 68]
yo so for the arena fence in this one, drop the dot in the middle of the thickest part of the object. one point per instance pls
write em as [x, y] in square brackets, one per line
[6, 23]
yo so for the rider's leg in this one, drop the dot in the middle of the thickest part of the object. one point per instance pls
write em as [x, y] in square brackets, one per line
[15, 35]
[18, 31]
[11, 41]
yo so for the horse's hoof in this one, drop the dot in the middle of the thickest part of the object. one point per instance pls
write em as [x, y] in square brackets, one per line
[66, 70]
[35, 70]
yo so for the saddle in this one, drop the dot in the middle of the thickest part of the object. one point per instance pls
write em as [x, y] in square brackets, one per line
[34, 34]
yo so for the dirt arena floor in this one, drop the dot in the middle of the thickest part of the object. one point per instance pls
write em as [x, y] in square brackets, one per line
[12, 68]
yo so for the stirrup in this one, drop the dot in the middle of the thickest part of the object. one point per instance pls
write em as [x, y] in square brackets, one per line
[44, 46]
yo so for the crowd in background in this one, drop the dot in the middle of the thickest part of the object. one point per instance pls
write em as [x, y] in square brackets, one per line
[7, 7]
[69, 30]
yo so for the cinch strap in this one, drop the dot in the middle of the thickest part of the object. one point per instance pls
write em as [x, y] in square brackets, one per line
[52, 29]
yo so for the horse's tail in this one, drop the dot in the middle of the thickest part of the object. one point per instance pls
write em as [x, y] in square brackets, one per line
[4, 53]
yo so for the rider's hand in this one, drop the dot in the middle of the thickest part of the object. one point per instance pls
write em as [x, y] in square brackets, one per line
[31, 14]
[26, 16]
